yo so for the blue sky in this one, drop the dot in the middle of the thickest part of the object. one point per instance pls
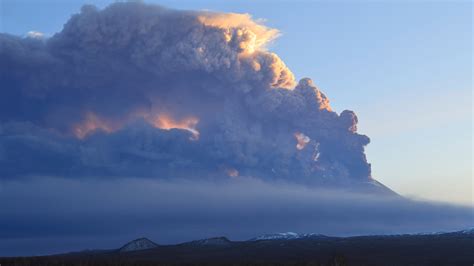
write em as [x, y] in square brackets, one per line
[404, 68]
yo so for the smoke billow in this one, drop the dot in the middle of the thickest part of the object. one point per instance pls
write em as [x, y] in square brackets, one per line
[137, 89]
[230, 144]
[70, 214]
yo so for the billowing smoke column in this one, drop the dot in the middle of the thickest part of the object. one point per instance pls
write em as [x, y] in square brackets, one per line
[140, 90]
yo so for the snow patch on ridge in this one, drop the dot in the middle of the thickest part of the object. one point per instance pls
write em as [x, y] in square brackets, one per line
[215, 241]
[285, 236]
[138, 244]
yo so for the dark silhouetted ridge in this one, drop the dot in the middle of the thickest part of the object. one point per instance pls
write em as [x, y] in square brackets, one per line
[138, 244]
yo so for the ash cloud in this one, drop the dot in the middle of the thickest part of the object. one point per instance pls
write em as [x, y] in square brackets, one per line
[224, 139]
[53, 215]
[114, 92]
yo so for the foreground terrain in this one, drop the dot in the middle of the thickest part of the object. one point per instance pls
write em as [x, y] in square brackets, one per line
[456, 248]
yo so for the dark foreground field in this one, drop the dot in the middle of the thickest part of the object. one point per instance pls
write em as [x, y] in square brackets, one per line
[436, 249]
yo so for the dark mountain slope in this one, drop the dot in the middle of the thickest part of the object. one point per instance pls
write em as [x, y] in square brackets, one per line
[424, 249]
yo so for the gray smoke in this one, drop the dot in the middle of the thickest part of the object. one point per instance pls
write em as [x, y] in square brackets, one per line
[137, 89]
[225, 141]
[53, 215]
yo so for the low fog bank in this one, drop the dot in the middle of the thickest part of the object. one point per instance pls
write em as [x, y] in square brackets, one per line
[52, 215]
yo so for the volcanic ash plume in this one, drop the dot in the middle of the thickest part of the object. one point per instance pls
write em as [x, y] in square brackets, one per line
[141, 90]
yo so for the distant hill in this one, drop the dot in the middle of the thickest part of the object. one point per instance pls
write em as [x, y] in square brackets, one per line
[453, 248]
[214, 241]
[138, 244]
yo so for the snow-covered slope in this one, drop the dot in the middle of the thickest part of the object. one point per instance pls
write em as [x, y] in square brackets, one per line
[279, 236]
[285, 236]
[138, 244]
[215, 241]
[469, 231]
